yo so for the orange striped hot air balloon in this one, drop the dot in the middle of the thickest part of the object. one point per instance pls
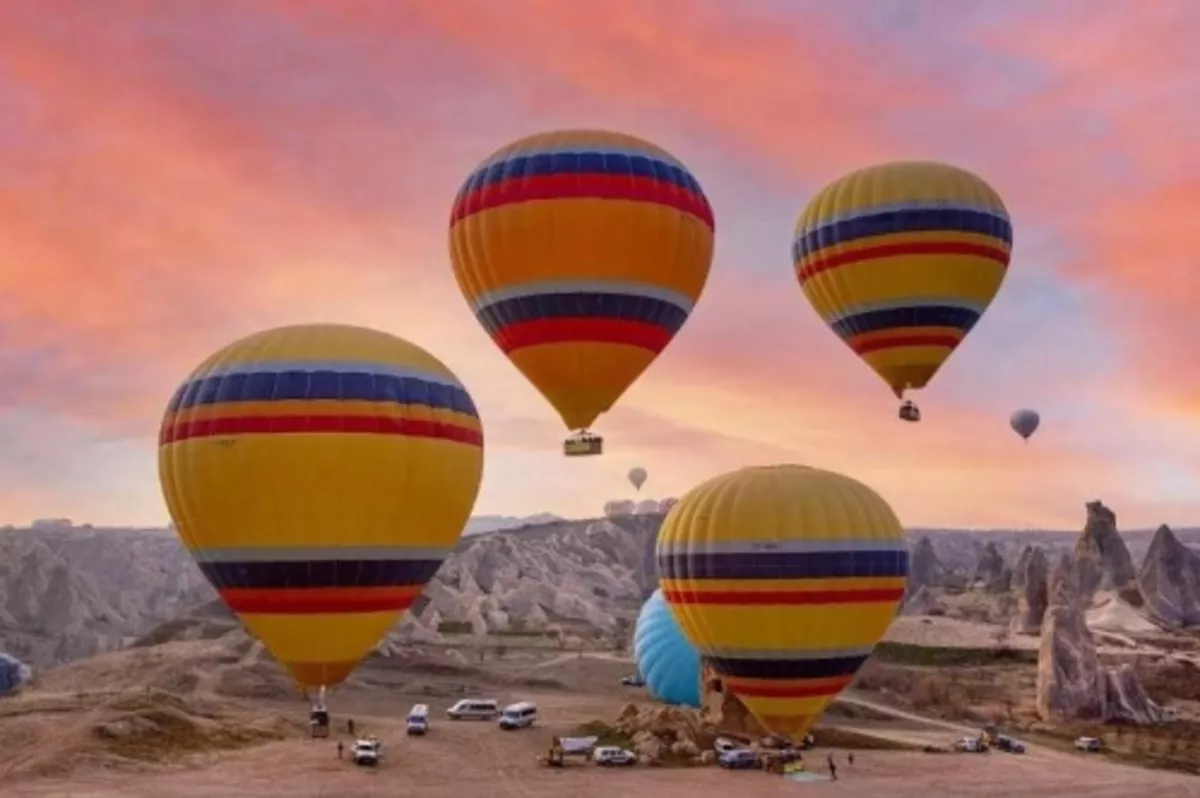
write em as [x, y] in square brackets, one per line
[784, 578]
[901, 260]
[582, 253]
[319, 475]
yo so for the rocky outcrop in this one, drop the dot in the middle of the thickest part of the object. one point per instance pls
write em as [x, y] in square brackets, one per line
[1169, 580]
[724, 711]
[1034, 598]
[1071, 682]
[991, 571]
[1102, 561]
[667, 735]
[923, 602]
[1018, 578]
[69, 593]
[925, 570]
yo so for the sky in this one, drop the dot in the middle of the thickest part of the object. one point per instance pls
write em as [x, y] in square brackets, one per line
[179, 173]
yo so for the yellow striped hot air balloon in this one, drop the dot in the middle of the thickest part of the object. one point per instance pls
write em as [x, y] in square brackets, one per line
[582, 253]
[901, 260]
[784, 577]
[319, 475]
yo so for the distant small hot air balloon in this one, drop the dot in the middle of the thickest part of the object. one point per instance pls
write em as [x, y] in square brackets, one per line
[582, 253]
[1025, 422]
[319, 475]
[637, 477]
[901, 261]
[668, 663]
[784, 578]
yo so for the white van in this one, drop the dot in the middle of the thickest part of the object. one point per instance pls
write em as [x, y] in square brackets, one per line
[418, 720]
[518, 716]
[474, 709]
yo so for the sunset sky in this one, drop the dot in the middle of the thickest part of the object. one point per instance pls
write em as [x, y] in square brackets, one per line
[178, 174]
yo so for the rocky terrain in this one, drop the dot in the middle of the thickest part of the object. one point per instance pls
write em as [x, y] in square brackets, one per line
[68, 592]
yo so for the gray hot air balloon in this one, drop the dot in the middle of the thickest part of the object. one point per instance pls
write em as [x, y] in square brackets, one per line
[1025, 422]
[637, 476]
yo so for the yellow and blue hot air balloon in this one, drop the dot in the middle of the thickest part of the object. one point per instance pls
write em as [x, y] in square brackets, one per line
[901, 260]
[582, 253]
[319, 475]
[785, 578]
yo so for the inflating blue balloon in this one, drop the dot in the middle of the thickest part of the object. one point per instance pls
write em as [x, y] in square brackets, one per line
[14, 674]
[669, 664]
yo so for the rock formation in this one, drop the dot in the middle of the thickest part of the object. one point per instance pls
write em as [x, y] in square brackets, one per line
[69, 593]
[1102, 561]
[923, 602]
[924, 568]
[1170, 580]
[991, 570]
[667, 734]
[1071, 682]
[1034, 578]
[722, 710]
[1018, 578]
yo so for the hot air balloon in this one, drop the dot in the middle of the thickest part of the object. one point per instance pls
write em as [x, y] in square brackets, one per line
[319, 475]
[581, 253]
[637, 477]
[668, 663]
[1025, 422]
[901, 260]
[784, 577]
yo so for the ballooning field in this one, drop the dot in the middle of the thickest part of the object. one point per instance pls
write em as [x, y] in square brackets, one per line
[207, 718]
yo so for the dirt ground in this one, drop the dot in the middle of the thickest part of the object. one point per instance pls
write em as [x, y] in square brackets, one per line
[50, 743]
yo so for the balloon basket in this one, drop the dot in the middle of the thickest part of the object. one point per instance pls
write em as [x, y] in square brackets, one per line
[583, 444]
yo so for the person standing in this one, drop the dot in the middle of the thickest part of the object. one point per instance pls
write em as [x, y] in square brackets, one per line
[350, 726]
[832, 768]
[341, 748]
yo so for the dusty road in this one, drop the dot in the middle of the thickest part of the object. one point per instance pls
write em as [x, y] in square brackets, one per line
[462, 759]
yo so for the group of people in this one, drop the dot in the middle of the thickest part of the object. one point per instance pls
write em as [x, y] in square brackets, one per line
[833, 764]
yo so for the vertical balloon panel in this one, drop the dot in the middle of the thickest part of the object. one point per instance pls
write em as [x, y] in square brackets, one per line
[319, 475]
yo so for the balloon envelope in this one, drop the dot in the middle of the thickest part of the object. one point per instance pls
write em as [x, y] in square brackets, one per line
[669, 664]
[14, 675]
[319, 475]
[784, 578]
[1025, 422]
[582, 253]
[901, 260]
[637, 477]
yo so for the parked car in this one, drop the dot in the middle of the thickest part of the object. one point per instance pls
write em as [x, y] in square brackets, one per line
[518, 716]
[366, 753]
[1010, 745]
[738, 759]
[1091, 744]
[612, 756]
[970, 745]
[724, 745]
[633, 681]
[417, 722]
[474, 709]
